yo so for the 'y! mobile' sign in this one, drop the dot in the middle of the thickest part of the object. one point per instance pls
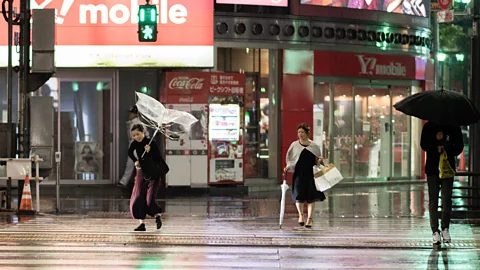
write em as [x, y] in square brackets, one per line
[104, 33]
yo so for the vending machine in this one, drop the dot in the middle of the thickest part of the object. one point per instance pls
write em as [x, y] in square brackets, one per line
[211, 152]
[226, 143]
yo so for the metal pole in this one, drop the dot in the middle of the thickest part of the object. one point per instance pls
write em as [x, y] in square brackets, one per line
[23, 83]
[9, 81]
[475, 96]
[57, 185]
[37, 182]
[435, 45]
[26, 72]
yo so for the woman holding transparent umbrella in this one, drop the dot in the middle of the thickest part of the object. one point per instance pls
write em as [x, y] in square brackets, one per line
[150, 165]
[302, 155]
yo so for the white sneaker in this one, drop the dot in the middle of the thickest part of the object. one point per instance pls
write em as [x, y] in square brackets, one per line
[436, 238]
[446, 236]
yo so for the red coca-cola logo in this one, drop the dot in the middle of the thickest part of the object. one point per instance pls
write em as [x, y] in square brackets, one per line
[185, 99]
[186, 83]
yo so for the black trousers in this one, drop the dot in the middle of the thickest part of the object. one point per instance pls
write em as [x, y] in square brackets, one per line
[435, 185]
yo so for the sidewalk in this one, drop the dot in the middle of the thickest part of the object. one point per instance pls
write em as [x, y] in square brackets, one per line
[354, 228]
[109, 228]
[251, 187]
[392, 216]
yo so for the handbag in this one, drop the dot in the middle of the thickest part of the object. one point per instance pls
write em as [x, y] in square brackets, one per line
[444, 167]
[326, 177]
[152, 170]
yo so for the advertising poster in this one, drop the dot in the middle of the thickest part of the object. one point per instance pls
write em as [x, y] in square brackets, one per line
[86, 157]
[419, 8]
[224, 122]
[93, 33]
[277, 3]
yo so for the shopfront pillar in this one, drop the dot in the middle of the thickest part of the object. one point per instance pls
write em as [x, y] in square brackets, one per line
[296, 98]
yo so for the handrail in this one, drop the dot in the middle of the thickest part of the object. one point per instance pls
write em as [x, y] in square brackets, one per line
[467, 173]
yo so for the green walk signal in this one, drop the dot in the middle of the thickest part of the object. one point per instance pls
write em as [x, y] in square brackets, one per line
[147, 23]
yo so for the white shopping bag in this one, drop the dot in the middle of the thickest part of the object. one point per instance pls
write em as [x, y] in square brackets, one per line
[326, 177]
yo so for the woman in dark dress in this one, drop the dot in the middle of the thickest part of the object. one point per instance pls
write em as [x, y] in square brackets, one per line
[302, 155]
[144, 194]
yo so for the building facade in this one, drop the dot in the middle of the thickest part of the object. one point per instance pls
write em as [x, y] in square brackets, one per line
[340, 70]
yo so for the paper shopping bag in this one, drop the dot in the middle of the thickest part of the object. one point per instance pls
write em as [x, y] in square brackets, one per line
[444, 167]
[326, 177]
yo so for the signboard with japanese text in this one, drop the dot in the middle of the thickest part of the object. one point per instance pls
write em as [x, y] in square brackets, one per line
[103, 33]
[195, 87]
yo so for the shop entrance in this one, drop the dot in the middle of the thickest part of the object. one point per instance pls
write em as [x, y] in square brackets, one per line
[361, 132]
[84, 126]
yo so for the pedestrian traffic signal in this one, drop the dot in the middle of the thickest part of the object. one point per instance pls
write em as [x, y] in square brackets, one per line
[147, 23]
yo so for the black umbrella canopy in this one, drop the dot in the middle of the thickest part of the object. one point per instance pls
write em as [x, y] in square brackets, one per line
[440, 106]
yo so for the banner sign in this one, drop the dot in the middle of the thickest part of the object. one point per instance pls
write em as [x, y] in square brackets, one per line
[103, 33]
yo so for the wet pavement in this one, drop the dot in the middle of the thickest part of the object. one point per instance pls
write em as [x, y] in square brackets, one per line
[355, 228]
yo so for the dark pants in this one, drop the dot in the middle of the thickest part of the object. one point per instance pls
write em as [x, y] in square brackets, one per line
[143, 201]
[435, 184]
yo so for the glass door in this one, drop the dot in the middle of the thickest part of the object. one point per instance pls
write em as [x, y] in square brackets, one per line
[84, 126]
[373, 132]
[382, 134]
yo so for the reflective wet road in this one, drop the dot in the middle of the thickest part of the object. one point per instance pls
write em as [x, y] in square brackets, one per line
[355, 228]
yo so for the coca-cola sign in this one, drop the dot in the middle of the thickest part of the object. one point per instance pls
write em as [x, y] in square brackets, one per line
[194, 86]
[364, 65]
[186, 83]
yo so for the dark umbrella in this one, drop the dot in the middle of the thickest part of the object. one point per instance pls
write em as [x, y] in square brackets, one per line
[440, 106]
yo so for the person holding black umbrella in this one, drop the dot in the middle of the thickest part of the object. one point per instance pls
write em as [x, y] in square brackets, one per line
[435, 140]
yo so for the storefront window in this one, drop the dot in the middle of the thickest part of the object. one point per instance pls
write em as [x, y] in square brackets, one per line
[360, 134]
[254, 63]
[321, 117]
[343, 128]
[372, 139]
[131, 81]
[416, 151]
[401, 135]
[85, 109]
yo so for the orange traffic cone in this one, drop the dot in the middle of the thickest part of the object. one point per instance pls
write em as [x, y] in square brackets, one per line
[462, 166]
[26, 203]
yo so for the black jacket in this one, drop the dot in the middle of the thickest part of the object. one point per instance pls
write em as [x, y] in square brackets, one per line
[154, 154]
[452, 142]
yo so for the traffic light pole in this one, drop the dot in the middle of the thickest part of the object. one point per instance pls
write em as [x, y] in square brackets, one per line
[24, 73]
[474, 141]
[24, 77]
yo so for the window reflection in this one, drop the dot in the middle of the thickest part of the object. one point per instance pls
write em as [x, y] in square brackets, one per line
[358, 131]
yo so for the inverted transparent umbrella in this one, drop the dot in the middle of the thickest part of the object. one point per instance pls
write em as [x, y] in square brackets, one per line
[284, 188]
[171, 123]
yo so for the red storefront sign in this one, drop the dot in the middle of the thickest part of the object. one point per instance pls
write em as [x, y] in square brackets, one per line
[104, 33]
[114, 22]
[364, 65]
[195, 87]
